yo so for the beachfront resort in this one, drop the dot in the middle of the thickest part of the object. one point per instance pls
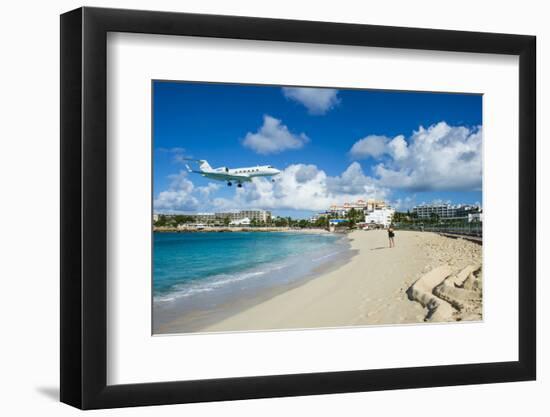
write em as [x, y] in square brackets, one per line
[284, 207]
[334, 269]
[360, 214]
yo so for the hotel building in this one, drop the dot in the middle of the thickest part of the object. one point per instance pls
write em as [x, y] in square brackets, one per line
[233, 216]
[445, 211]
[380, 216]
[262, 216]
[366, 206]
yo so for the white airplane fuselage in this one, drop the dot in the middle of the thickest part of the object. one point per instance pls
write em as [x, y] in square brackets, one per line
[237, 175]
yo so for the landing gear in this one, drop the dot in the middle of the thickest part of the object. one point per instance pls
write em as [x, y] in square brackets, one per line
[239, 185]
[229, 183]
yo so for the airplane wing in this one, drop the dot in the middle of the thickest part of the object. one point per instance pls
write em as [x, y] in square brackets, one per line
[226, 177]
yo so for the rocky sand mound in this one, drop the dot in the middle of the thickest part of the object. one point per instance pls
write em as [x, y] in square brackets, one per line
[451, 290]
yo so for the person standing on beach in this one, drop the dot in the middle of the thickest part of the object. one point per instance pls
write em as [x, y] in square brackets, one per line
[391, 234]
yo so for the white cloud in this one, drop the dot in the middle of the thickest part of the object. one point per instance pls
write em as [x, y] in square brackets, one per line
[375, 146]
[208, 189]
[298, 187]
[180, 182]
[354, 182]
[370, 146]
[182, 195]
[316, 100]
[404, 204]
[273, 137]
[398, 148]
[441, 157]
[178, 154]
[304, 187]
[306, 173]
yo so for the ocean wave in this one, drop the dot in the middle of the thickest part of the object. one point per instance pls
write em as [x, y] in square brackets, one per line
[328, 255]
[285, 270]
[208, 285]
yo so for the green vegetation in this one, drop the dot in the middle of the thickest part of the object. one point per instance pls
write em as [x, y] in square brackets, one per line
[161, 221]
[182, 219]
[321, 222]
[354, 217]
[280, 222]
[166, 220]
[302, 224]
[434, 218]
[175, 220]
[435, 223]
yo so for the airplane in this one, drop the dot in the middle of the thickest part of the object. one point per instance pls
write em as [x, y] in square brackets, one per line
[237, 175]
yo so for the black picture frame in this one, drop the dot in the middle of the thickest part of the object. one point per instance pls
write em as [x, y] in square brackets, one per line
[84, 207]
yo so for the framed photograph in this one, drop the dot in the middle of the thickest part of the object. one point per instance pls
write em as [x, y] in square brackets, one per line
[257, 208]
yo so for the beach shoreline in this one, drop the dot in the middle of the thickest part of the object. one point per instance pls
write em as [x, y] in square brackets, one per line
[175, 312]
[224, 229]
[370, 288]
[197, 321]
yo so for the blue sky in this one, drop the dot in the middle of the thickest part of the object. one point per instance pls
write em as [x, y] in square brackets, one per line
[333, 145]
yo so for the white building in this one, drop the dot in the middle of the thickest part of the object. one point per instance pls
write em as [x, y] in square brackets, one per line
[240, 222]
[445, 211]
[205, 217]
[262, 216]
[258, 215]
[380, 216]
[360, 205]
[318, 216]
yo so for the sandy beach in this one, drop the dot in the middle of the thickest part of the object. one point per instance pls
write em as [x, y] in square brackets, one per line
[374, 287]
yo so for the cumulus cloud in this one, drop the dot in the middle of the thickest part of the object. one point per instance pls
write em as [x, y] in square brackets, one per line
[375, 146]
[441, 157]
[306, 173]
[397, 148]
[317, 101]
[353, 181]
[273, 137]
[370, 146]
[208, 189]
[305, 187]
[182, 195]
[298, 187]
[404, 204]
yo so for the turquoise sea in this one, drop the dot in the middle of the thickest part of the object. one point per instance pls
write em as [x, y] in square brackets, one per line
[203, 272]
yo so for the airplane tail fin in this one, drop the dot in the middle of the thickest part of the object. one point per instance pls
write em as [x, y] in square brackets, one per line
[204, 165]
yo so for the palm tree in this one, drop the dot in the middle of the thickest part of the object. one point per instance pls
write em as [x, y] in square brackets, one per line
[352, 215]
